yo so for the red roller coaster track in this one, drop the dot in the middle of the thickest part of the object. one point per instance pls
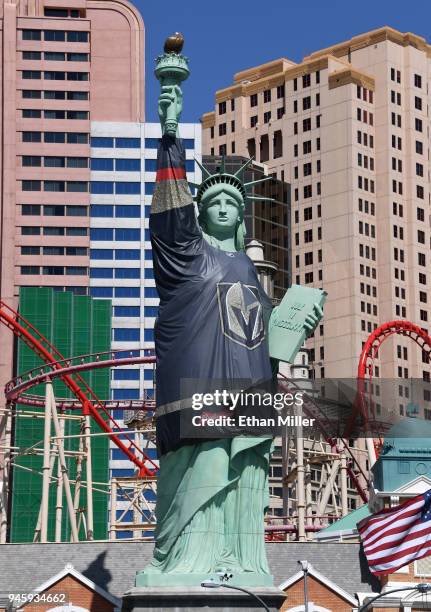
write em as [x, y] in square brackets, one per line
[379, 335]
[369, 354]
[55, 365]
[90, 403]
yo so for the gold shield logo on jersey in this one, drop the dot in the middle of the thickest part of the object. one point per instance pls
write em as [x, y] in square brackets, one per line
[241, 315]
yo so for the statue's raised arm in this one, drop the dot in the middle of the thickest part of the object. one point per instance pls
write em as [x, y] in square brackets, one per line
[175, 232]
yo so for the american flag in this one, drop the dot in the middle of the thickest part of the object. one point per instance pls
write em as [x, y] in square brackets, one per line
[397, 536]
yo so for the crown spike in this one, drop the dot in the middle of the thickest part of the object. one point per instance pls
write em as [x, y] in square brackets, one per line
[222, 168]
[261, 198]
[247, 163]
[250, 183]
[207, 172]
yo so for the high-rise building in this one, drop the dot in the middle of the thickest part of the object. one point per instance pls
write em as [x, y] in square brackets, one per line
[123, 174]
[62, 66]
[348, 128]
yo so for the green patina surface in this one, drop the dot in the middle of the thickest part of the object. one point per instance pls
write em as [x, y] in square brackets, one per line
[287, 329]
[212, 495]
[348, 522]
[405, 455]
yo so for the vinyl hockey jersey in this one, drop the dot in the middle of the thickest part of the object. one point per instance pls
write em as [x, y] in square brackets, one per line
[212, 313]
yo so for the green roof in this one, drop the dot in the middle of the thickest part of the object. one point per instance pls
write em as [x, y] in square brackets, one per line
[348, 522]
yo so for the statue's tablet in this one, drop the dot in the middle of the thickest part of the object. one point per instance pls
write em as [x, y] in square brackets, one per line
[286, 328]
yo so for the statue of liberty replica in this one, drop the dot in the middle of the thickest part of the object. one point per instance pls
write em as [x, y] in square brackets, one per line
[212, 325]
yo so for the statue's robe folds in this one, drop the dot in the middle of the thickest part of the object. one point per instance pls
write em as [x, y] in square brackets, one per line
[211, 494]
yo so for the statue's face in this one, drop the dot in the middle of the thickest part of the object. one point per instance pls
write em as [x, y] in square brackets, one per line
[222, 214]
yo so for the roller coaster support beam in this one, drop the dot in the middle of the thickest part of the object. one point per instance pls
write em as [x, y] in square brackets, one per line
[329, 487]
[62, 459]
[90, 519]
[79, 466]
[113, 508]
[300, 486]
[59, 499]
[46, 465]
[343, 482]
[54, 453]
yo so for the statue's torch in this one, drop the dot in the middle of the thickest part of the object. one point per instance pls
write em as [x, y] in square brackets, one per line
[171, 69]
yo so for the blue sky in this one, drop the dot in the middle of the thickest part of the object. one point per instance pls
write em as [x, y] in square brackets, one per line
[223, 37]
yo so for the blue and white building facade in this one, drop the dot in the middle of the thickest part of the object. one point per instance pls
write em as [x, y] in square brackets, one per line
[123, 174]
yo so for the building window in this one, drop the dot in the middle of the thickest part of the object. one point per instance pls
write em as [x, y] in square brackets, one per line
[151, 143]
[308, 191]
[77, 138]
[31, 55]
[31, 185]
[267, 117]
[31, 94]
[76, 186]
[102, 187]
[308, 258]
[253, 121]
[222, 108]
[127, 211]
[30, 270]
[128, 143]
[73, 36]
[101, 233]
[267, 95]
[102, 163]
[307, 169]
[306, 80]
[308, 235]
[222, 129]
[418, 80]
[102, 142]
[127, 234]
[76, 57]
[31, 35]
[127, 188]
[31, 161]
[280, 91]
[308, 213]
[253, 100]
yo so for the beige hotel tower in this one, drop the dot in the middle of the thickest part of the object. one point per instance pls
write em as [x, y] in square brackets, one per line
[348, 127]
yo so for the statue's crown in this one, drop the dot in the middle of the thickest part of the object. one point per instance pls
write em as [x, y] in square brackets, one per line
[221, 177]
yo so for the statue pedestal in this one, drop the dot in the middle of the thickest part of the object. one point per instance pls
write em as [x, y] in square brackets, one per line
[194, 599]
